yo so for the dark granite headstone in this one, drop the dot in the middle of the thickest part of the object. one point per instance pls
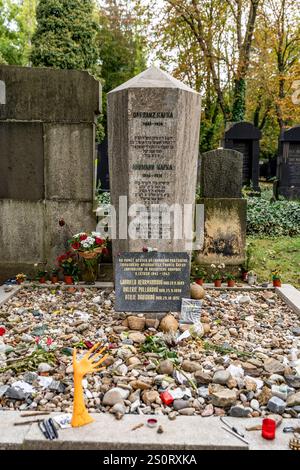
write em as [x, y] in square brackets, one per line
[288, 167]
[268, 168]
[102, 165]
[244, 137]
[151, 282]
[221, 174]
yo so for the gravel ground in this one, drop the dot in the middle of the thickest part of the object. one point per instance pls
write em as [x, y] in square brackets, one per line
[244, 361]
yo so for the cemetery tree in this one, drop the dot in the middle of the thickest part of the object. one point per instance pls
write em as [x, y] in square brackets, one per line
[17, 23]
[65, 36]
[121, 43]
[274, 72]
[223, 33]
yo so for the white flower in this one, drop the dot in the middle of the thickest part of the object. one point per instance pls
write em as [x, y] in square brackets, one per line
[212, 265]
[90, 241]
[96, 234]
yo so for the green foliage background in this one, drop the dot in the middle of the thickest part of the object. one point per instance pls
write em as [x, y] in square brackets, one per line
[65, 36]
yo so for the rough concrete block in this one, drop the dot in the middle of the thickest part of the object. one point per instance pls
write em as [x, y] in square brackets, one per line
[21, 231]
[69, 161]
[224, 231]
[48, 94]
[21, 160]
[78, 217]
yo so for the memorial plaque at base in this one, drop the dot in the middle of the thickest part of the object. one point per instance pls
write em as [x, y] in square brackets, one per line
[151, 282]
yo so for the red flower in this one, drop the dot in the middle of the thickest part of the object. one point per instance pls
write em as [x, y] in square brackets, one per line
[2, 330]
[88, 344]
[75, 245]
[83, 237]
[49, 341]
[99, 241]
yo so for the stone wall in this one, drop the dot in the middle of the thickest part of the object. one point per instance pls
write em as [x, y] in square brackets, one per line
[47, 128]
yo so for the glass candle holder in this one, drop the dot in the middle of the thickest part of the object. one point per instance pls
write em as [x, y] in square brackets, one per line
[268, 428]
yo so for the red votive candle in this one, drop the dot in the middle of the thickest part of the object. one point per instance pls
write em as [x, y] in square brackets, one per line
[268, 428]
[166, 398]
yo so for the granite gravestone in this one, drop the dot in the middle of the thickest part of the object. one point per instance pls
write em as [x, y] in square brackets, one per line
[244, 137]
[153, 129]
[221, 174]
[151, 282]
[224, 208]
[288, 167]
[102, 165]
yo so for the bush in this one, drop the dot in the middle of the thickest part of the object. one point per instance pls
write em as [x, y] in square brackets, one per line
[279, 218]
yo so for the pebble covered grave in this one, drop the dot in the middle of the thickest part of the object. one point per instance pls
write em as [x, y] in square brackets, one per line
[245, 363]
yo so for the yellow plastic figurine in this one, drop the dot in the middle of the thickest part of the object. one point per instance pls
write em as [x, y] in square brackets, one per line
[86, 365]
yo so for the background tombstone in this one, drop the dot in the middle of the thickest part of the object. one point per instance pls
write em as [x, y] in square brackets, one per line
[221, 174]
[288, 164]
[102, 167]
[244, 137]
[47, 135]
[153, 124]
[225, 211]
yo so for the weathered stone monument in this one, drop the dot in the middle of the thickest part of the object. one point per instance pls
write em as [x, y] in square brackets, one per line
[221, 174]
[288, 163]
[153, 125]
[224, 209]
[47, 128]
[244, 137]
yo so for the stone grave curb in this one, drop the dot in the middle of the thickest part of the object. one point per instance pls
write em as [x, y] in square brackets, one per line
[5, 296]
[290, 295]
[106, 433]
[28, 436]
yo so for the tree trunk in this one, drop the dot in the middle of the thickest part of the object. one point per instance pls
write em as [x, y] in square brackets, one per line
[239, 100]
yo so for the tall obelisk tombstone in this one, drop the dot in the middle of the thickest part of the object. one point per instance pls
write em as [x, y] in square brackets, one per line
[153, 132]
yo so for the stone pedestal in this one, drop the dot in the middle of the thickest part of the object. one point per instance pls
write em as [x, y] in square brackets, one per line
[224, 232]
[225, 212]
[153, 125]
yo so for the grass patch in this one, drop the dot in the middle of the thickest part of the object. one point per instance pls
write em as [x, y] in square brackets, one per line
[282, 253]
